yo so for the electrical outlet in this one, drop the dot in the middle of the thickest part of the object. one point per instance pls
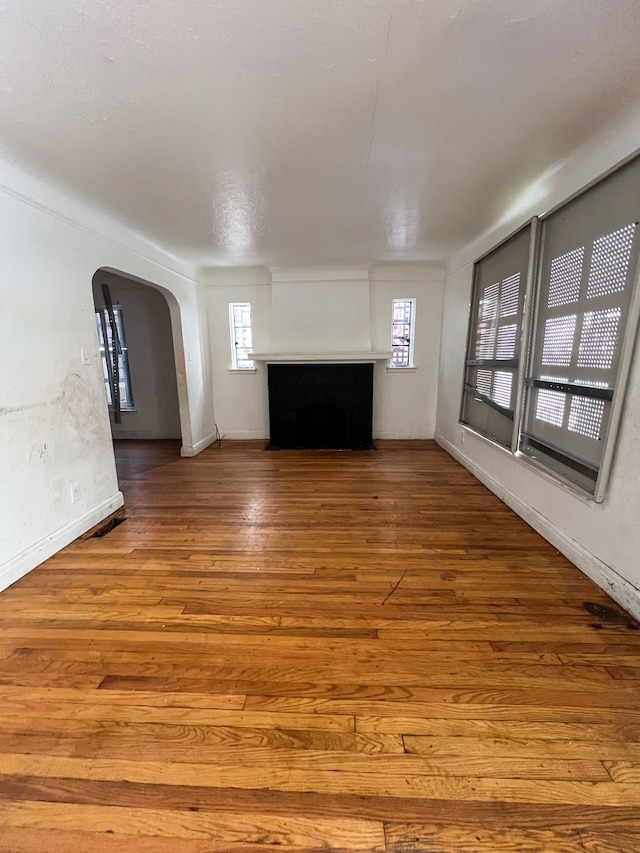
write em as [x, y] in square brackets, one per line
[461, 436]
[85, 357]
[74, 490]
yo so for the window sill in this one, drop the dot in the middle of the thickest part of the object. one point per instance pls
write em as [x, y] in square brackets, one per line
[533, 465]
[243, 370]
[401, 369]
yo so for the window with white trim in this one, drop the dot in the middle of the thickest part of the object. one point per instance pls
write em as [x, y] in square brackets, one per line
[495, 332]
[566, 406]
[105, 340]
[403, 322]
[588, 260]
[241, 341]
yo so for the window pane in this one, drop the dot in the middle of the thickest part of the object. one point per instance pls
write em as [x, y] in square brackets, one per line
[502, 384]
[599, 338]
[585, 417]
[564, 284]
[106, 355]
[507, 336]
[550, 407]
[402, 331]
[610, 262]
[587, 270]
[510, 296]
[495, 336]
[241, 338]
[559, 334]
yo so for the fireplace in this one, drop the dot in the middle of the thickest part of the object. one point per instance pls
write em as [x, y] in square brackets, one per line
[320, 406]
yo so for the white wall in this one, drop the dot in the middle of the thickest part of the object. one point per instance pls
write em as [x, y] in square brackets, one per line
[147, 325]
[56, 457]
[321, 309]
[310, 299]
[405, 401]
[601, 539]
[242, 410]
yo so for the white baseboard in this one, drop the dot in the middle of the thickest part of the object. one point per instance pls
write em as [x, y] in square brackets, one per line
[26, 560]
[397, 435]
[233, 435]
[143, 435]
[198, 447]
[627, 595]
[245, 435]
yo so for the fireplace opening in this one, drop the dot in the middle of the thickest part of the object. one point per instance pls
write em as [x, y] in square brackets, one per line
[321, 427]
[320, 406]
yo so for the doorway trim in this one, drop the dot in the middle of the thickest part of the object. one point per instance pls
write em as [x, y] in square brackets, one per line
[175, 313]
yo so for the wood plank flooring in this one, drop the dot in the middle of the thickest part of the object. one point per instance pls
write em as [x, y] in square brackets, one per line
[315, 651]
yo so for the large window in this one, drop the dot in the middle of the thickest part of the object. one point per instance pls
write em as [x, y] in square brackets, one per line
[105, 339]
[403, 320]
[589, 253]
[495, 332]
[241, 342]
[579, 341]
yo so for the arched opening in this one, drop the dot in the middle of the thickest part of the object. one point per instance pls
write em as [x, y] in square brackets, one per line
[150, 362]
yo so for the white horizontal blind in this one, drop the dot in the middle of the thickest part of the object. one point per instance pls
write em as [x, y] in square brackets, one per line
[491, 369]
[241, 336]
[587, 272]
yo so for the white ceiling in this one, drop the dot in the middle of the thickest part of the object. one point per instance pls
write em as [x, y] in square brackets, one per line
[309, 131]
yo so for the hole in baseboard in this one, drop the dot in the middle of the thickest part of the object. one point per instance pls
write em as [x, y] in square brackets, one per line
[110, 524]
[106, 525]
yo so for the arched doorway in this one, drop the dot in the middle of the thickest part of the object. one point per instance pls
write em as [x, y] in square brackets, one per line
[149, 384]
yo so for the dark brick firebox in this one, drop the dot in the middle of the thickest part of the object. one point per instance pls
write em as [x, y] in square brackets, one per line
[320, 406]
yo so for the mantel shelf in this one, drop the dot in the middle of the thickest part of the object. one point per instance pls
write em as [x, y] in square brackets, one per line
[320, 357]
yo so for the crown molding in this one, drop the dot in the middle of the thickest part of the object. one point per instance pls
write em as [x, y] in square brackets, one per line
[407, 271]
[233, 276]
[320, 273]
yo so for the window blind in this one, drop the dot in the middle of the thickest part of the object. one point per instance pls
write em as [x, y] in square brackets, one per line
[588, 262]
[495, 332]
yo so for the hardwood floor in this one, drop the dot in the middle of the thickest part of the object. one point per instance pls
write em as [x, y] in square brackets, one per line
[315, 651]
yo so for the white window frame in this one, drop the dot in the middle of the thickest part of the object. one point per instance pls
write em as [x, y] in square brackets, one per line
[102, 324]
[238, 362]
[412, 333]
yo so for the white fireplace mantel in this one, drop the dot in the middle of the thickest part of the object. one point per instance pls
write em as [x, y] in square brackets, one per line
[320, 357]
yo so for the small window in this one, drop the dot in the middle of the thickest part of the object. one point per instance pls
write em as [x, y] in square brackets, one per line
[241, 343]
[403, 321]
[105, 338]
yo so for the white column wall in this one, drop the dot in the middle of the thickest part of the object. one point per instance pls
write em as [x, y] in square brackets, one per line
[405, 401]
[242, 410]
[56, 456]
